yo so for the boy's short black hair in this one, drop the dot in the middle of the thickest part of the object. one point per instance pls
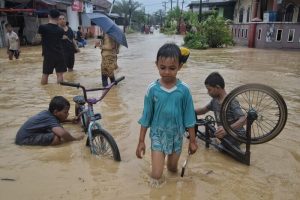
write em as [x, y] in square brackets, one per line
[54, 13]
[169, 50]
[7, 25]
[58, 103]
[215, 79]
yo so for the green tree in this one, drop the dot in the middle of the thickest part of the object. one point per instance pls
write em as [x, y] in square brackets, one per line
[212, 32]
[126, 9]
[216, 31]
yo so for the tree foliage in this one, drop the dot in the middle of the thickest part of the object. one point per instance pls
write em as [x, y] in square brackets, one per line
[126, 9]
[212, 32]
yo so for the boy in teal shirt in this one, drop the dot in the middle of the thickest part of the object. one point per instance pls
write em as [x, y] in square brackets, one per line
[168, 111]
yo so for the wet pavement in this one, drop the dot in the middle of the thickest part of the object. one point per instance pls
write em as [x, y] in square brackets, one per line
[69, 171]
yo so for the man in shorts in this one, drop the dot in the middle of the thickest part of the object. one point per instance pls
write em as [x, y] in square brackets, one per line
[44, 128]
[52, 36]
[13, 43]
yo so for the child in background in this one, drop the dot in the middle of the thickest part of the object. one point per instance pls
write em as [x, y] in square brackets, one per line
[45, 129]
[13, 43]
[168, 111]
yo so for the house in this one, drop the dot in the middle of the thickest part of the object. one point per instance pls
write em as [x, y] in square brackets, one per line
[267, 23]
[259, 23]
[225, 8]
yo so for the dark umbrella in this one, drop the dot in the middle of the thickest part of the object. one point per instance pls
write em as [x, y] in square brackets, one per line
[109, 27]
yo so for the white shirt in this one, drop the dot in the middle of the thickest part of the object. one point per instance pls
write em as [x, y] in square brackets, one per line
[13, 39]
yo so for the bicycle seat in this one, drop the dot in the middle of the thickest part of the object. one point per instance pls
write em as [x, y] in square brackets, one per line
[79, 100]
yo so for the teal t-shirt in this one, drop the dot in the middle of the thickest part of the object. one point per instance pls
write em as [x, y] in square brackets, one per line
[168, 109]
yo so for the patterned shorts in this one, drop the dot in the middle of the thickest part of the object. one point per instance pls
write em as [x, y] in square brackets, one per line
[166, 141]
[108, 65]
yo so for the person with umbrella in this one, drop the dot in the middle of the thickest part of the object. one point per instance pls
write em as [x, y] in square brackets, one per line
[112, 39]
[109, 50]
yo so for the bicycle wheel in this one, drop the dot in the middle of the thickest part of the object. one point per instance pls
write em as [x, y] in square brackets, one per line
[103, 144]
[267, 105]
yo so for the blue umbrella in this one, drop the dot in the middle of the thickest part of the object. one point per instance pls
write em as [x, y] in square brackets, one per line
[109, 27]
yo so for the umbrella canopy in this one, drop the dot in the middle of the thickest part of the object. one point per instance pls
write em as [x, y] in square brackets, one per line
[109, 27]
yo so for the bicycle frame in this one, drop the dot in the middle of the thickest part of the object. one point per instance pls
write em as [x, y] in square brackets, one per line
[92, 117]
[232, 151]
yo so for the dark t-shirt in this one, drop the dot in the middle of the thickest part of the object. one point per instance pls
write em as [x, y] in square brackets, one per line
[68, 45]
[51, 39]
[233, 114]
[41, 123]
[79, 36]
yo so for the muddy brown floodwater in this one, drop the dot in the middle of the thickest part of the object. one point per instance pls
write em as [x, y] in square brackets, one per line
[71, 172]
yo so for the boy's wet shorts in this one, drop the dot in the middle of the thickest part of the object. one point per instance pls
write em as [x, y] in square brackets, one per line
[15, 53]
[50, 63]
[43, 139]
[166, 142]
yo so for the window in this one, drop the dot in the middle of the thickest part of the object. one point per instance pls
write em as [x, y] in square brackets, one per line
[241, 15]
[242, 32]
[259, 34]
[291, 35]
[279, 35]
[235, 32]
[246, 33]
[288, 17]
[238, 33]
[248, 14]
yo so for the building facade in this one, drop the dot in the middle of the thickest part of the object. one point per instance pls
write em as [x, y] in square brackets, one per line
[259, 23]
[26, 15]
[267, 23]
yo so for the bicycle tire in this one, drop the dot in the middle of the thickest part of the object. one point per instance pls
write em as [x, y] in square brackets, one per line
[271, 119]
[103, 144]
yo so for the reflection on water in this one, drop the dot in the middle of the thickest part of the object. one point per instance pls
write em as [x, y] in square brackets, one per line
[70, 172]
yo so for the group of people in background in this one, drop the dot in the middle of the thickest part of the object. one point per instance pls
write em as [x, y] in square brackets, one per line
[146, 29]
[59, 46]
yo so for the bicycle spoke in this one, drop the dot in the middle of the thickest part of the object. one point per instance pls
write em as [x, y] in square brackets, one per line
[102, 147]
[267, 104]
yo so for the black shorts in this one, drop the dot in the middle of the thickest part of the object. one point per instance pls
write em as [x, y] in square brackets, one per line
[69, 59]
[50, 63]
[15, 53]
[43, 139]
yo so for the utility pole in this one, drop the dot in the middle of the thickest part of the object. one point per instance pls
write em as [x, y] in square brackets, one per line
[165, 5]
[130, 12]
[182, 6]
[177, 3]
[200, 11]
[160, 18]
[171, 4]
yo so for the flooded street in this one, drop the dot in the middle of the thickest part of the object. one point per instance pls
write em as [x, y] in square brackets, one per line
[71, 172]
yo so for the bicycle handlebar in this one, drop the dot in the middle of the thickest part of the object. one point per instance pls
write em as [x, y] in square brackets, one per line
[206, 123]
[77, 85]
[70, 84]
[119, 79]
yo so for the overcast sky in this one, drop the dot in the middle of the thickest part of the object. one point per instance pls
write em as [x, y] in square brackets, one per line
[154, 5]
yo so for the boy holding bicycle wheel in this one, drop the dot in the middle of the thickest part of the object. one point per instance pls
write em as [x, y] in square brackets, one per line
[44, 129]
[215, 86]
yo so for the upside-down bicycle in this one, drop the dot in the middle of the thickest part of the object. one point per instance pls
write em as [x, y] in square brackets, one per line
[266, 115]
[100, 141]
